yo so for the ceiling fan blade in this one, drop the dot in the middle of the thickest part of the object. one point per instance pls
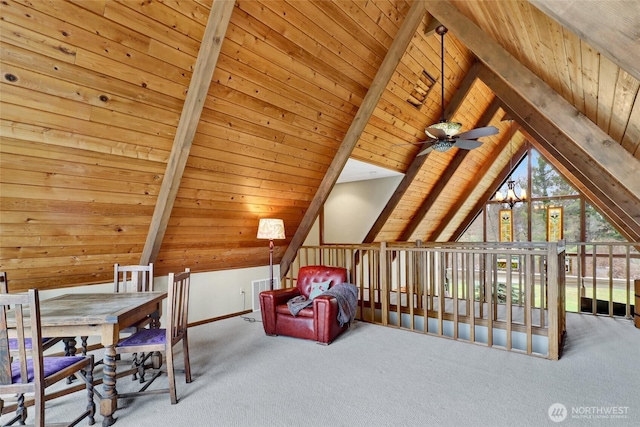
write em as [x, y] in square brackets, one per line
[478, 132]
[425, 151]
[438, 133]
[467, 144]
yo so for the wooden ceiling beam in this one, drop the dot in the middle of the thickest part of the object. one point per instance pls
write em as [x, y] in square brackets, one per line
[432, 24]
[206, 61]
[611, 27]
[378, 85]
[605, 160]
[418, 161]
[598, 201]
[616, 198]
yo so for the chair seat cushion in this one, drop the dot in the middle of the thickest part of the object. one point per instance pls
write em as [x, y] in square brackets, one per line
[51, 366]
[305, 312]
[145, 337]
[13, 343]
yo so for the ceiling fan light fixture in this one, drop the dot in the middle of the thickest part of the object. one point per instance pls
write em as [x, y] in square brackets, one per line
[445, 135]
[450, 128]
[443, 146]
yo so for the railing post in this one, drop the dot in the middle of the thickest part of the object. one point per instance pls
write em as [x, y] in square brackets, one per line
[384, 284]
[552, 299]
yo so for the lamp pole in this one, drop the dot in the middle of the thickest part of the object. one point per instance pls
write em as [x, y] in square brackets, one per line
[271, 264]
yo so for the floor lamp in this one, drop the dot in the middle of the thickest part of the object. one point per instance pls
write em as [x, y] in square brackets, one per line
[271, 228]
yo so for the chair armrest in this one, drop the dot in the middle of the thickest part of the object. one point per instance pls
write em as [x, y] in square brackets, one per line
[325, 316]
[325, 303]
[269, 300]
[279, 296]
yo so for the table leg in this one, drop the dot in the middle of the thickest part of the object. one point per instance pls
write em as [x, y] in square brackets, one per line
[109, 402]
[70, 350]
[156, 357]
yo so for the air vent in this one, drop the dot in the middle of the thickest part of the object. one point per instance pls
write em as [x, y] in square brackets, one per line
[421, 90]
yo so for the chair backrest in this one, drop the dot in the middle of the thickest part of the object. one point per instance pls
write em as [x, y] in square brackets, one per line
[25, 319]
[310, 274]
[4, 286]
[133, 278]
[178, 305]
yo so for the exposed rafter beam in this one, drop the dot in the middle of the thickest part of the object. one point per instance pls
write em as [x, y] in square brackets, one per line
[607, 167]
[616, 216]
[418, 161]
[576, 129]
[595, 200]
[208, 54]
[378, 85]
[432, 24]
[614, 198]
[611, 27]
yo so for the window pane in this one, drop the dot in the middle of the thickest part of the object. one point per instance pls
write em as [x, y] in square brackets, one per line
[545, 180]
[493, 224]
[571, 223]
[598, 228]
[521, 222]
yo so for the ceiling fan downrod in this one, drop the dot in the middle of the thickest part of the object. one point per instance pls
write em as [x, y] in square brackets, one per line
[442, 30]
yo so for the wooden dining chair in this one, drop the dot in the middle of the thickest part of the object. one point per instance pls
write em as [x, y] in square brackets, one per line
[132, 278]
[135, 278]
[164, 339]
[26, 371]
[47, 342]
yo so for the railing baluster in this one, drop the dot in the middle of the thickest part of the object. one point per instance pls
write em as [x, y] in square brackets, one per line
[421, 272]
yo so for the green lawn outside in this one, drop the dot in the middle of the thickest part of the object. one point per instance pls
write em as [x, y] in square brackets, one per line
[571, 296]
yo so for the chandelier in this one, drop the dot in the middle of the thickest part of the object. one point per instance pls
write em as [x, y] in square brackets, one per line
[511, 198]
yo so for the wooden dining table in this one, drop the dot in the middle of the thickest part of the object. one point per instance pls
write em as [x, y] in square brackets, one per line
[102, 315]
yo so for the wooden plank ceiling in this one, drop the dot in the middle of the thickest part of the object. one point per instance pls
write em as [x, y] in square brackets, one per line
[117, 146]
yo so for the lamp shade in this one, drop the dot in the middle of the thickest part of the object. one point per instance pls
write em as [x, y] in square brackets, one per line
[271, 228]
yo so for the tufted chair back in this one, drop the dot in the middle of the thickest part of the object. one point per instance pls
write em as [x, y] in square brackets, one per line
[319, 273]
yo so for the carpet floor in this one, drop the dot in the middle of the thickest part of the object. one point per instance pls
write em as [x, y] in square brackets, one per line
[378, 376]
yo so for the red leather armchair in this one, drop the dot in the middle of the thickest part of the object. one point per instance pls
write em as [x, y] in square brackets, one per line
[318, 321]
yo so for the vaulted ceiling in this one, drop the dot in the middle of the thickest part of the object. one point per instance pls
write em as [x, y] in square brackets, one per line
[137, 131]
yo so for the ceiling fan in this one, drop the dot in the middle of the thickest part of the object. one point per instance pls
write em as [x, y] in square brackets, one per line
[444, 134]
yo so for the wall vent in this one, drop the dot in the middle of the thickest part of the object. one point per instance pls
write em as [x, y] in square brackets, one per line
[421, 90]
[258, 286]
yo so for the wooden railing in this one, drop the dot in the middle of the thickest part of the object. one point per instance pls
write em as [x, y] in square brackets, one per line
[600, 277]
[462, 291]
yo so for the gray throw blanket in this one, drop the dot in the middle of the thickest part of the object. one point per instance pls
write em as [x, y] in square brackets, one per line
[346, 295]
[296, 304]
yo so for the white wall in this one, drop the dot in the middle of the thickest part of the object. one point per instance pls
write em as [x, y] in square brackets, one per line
[213, 294]
[353, 207]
